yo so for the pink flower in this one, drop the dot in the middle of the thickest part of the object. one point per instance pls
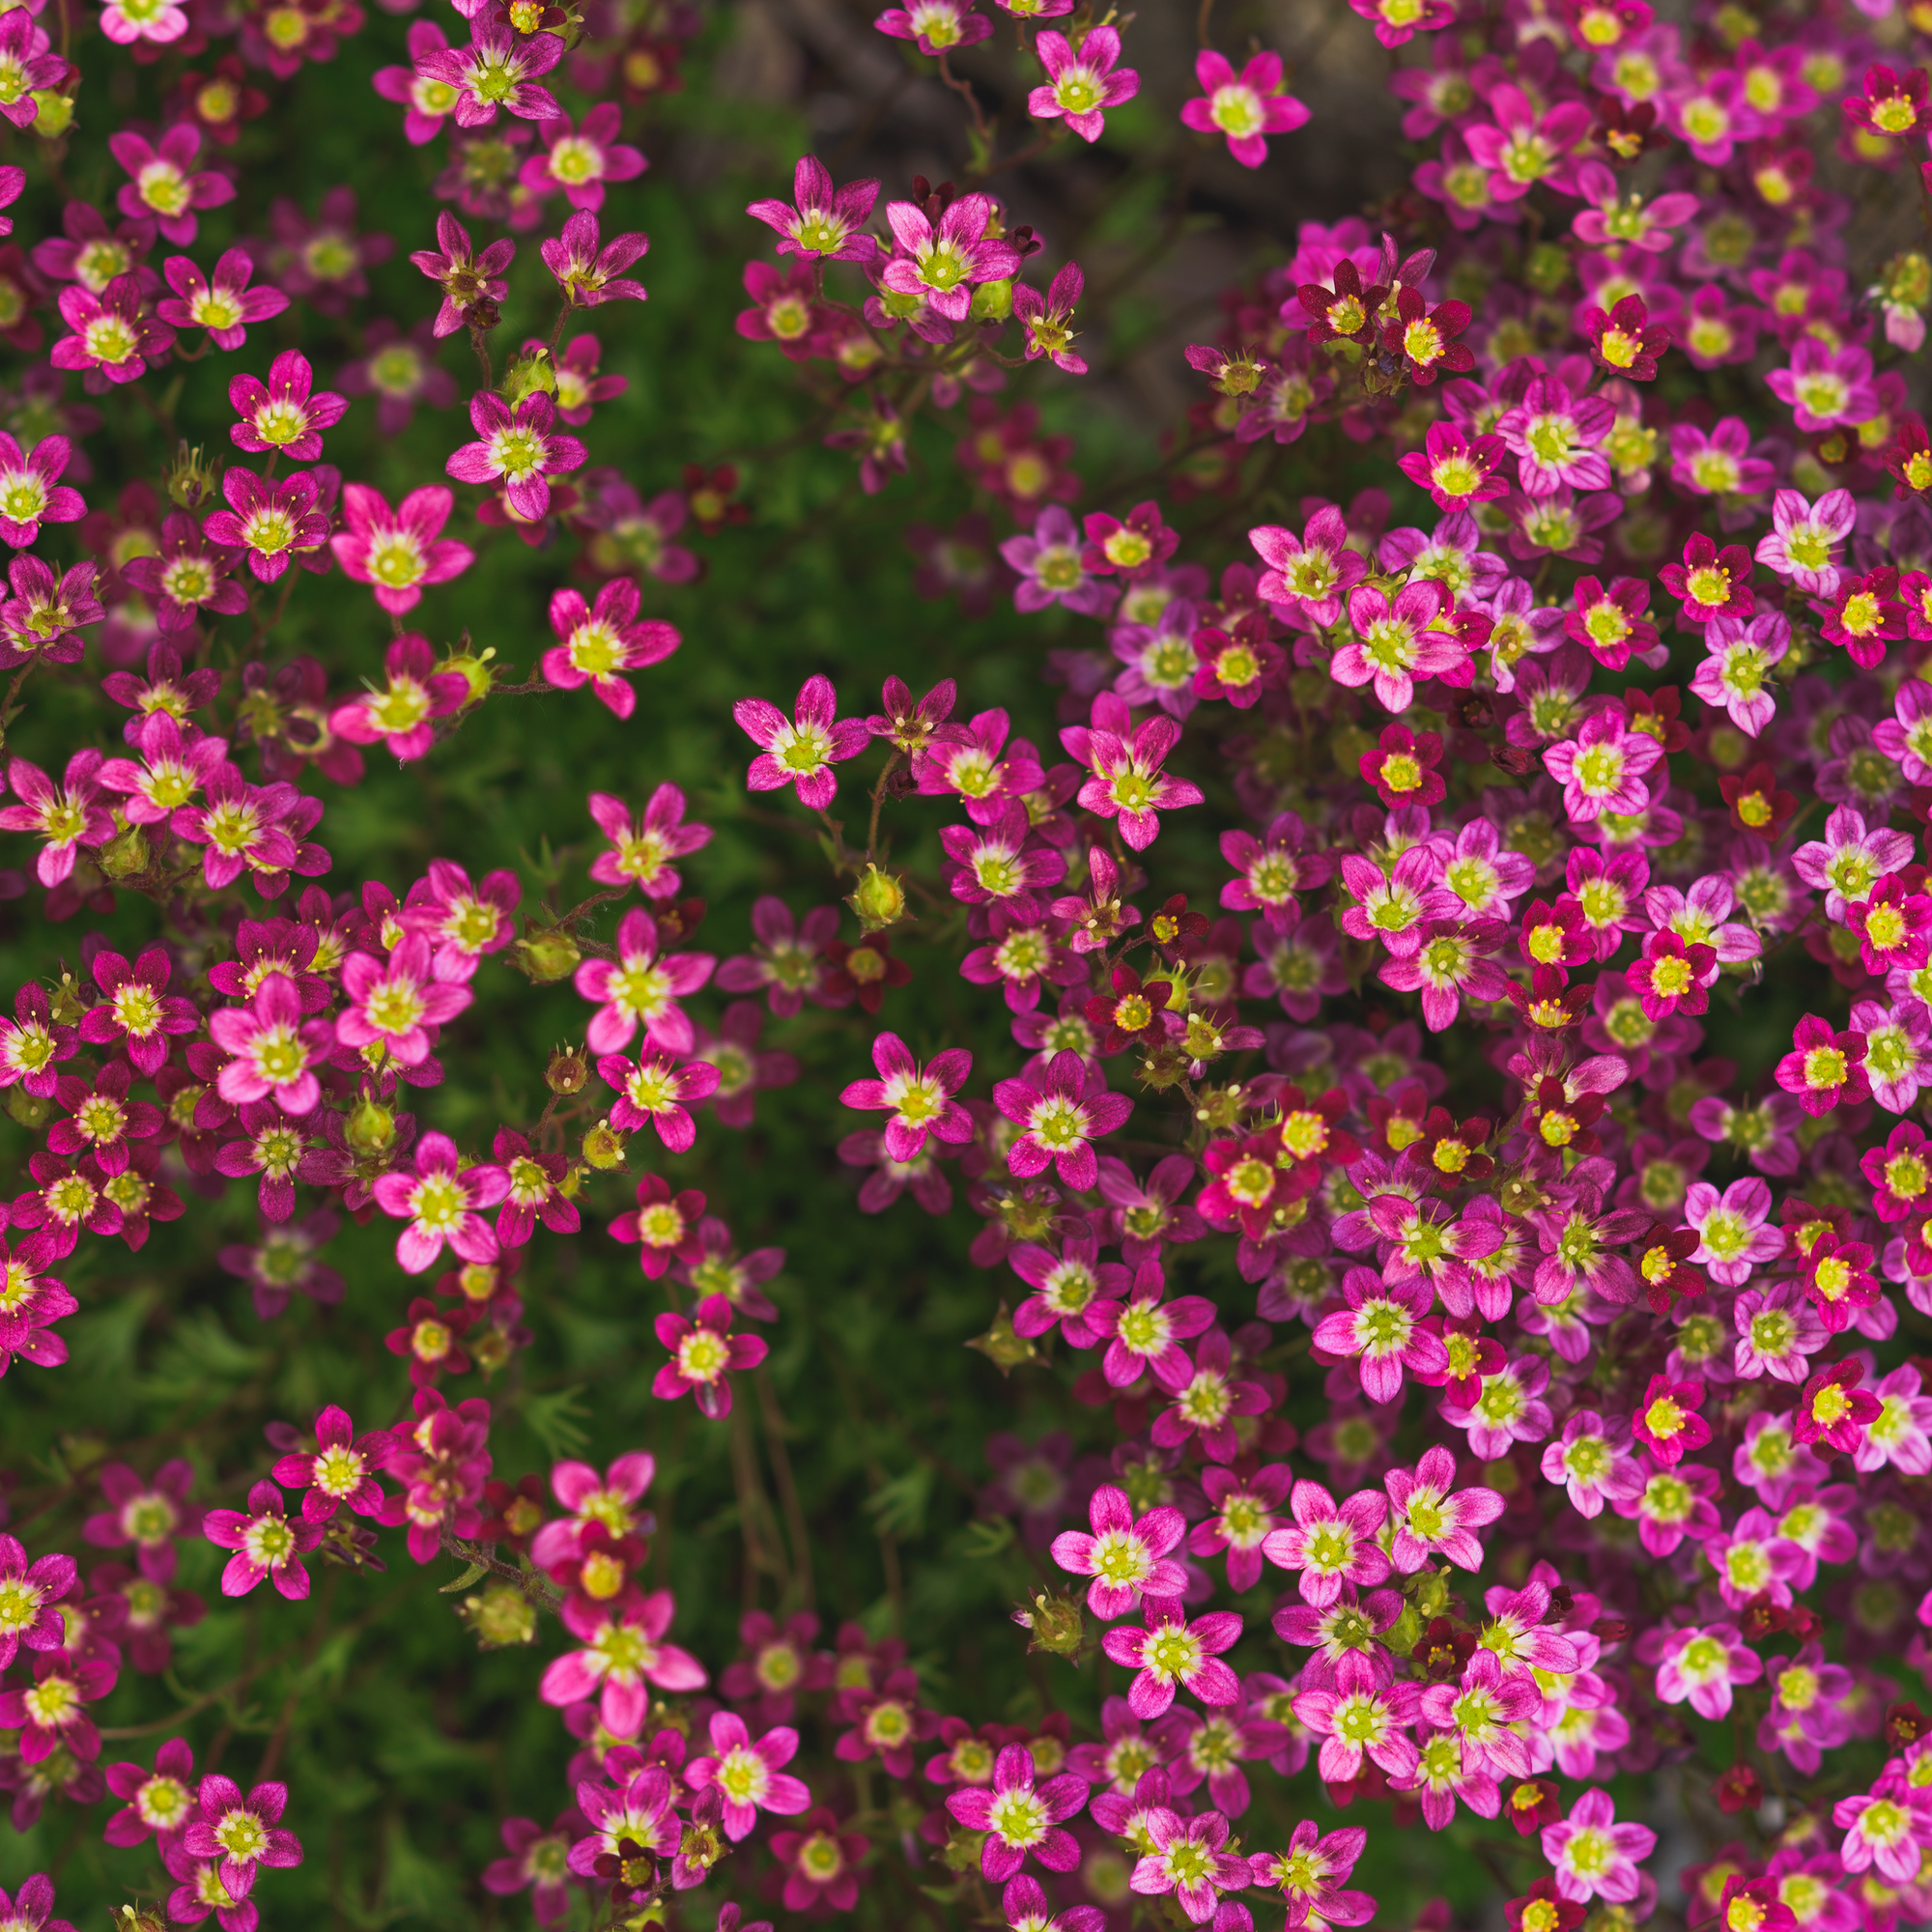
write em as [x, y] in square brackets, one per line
[272, 521]
[1021, 1815]
[820, 220]
[164, 189]
[1824, 1067]
[497, 69]
[921, 1102]
[40, 621]
[394, 1002]
[640, 986]
[1329, 1544]
[284, 415]
[749, 1773]
[240, 1833]
[516, 448]
[1382, 1331]
[137, 1016]
[341, 1469]
[935, 26]
[31, 492]
[188, 575]
[1594, 1856]
[1397, 643]
[801, 750]
[397, 552]
[1170, 1653]
[30, 1593]
[468, 280]
[641, 847]
[601, 641]
[703, 1349]
[1124, 760]
[64, 816]
[579, 163]
[443, 1202]
[1701, 1663]
[1804, 539]
[943, 262]
[1062, 1111]
[1045, 320]
[1080, 87]
[590, 270]
[113, 336]
[266, 1545]
[275, 1050]
[1126, 1556]
[1367, 1720]
[402, 715]
[656, 1092]
[1246, 107]
[158, 1802]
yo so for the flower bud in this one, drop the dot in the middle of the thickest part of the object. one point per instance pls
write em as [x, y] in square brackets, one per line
[472, 664]
[528, 375]
[125, 854]
[993, 302]
[190, 481]
[489, 1349]
[879, 899]
[1004, 1346]
[604, 1146]
[547, 953]
[964, 1849]
[30, 1111]
[370, 1127]
[501, 1615]
[70, 1003]
[568, 1069]
[53, 117]
[137, 1918]
[1056, 1622]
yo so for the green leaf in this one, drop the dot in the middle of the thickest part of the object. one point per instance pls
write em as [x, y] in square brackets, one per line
[557, 1421]
[463, 1581]
[897, 1506]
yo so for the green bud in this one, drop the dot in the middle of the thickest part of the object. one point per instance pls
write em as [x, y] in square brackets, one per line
[1004, 1346]
[191, 482]
[501, 1615]
[879, 899]
[993, 302]
[32, 1112]
[604, 1146]
[568, 1071]
[1053, 1618]
[53, 117]
[530, 375]
[1429, 1591]
[963, 1850]
[472, 664]
[1220, 1107]
[1164, 1065]
[370, 1127]
[547, 953]
[70, 1004]
[125, 854]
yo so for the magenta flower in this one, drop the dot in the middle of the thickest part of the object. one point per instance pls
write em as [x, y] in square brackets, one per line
[601, 641]
[1307, 577]
[942, 263]
[165, 190]
[443, 1200]
[1804, 539]
[266, 1545]
[1050, 568]
[185, 575]
[1045, 318]
[537, 1860]
[1329, 1544]
[468, 280]
[1667, 1422]
[579, 163]
[1602, 768]
[1397, 642]
[1062, 1111]
[137, 1014]
[656, 1092]
[241, 1833]
[515, 448]
[641, 847]
[703, 1349]
[28, 1594]
[394, 1002]
[749, 1773]
[224, 306]
[1701, 1663]
[641, 987]
[341, 1469]
[31, 492]
[1457, 470]
[935, 26]
[273, 522]
[146, 1514]
[397, 552]
[590, 270]
[1824, 1068]
[821, 221]
[64, 816]
[919, 1100]
[1380, 1330]
[1433, 1517]
[1125, 761]
[113, 335]
[244, 828]
[497, 69]
[1826, 386]
[1362, 1720]
[40, 619]
[159, 1802]
[402, 715]
[284, 415]
[801, 750]
[1021, 1815]
[1126, 1556]
[1594, 1856]
[1246, 107]
[1171, 1654]
[29, 63]
[1080, 87]
[1890, 1828]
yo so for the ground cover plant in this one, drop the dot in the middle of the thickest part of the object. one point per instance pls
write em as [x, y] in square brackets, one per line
[966, 968]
